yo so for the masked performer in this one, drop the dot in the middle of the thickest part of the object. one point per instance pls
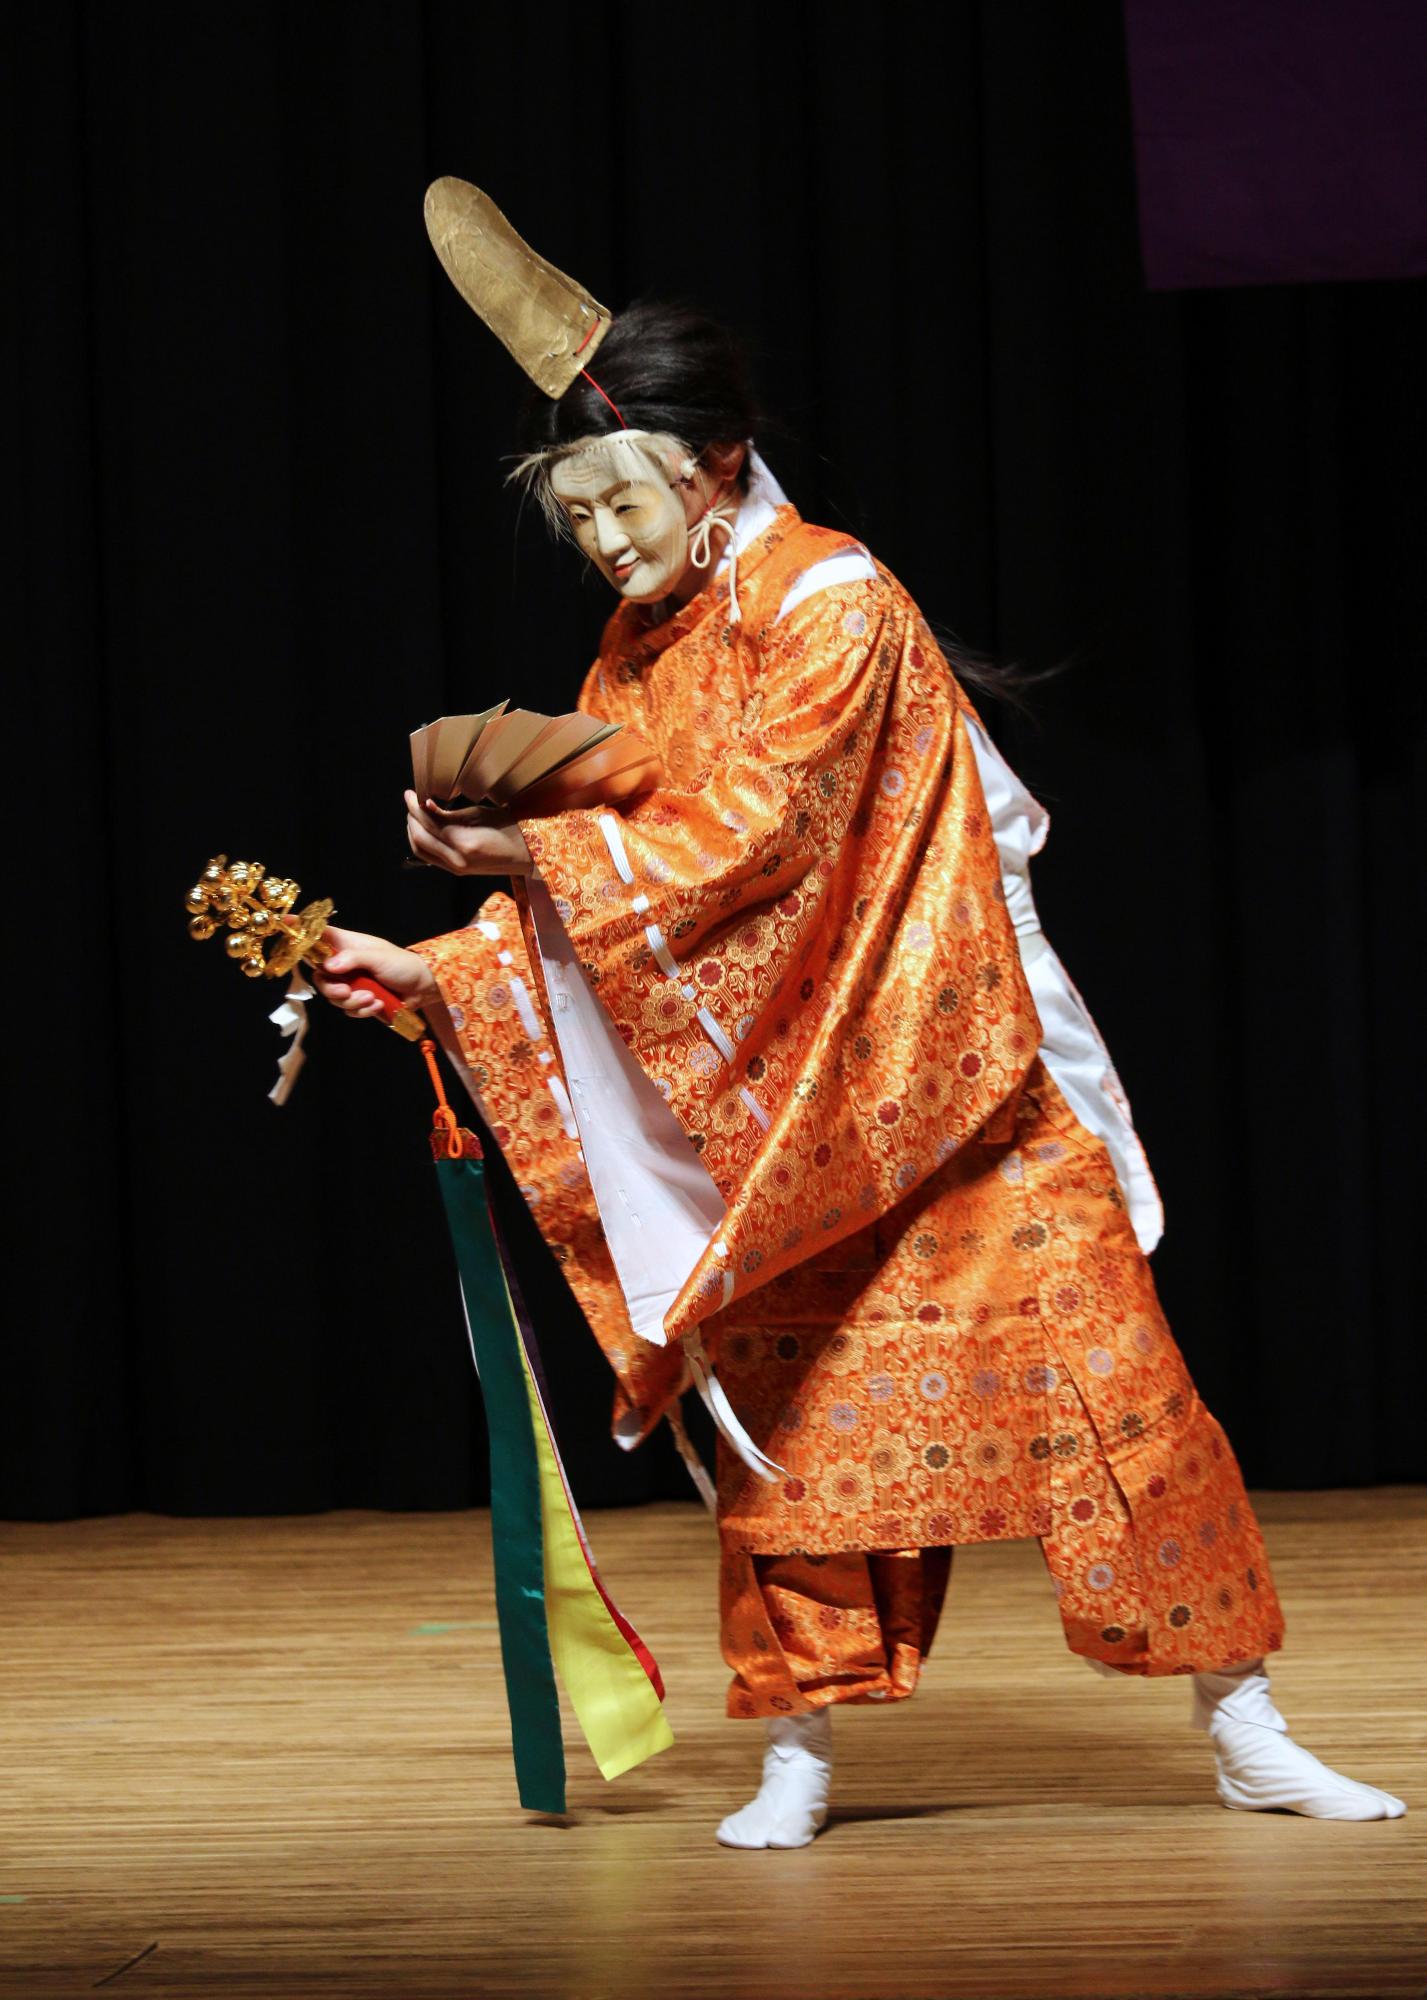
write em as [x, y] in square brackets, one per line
[810, 1112]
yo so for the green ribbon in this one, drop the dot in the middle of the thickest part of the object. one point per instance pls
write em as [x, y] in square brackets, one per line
[515, 1492]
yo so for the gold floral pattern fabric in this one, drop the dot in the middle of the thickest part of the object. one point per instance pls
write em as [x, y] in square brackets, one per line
[811, 954]
[803, 1631]
[926, 1302]
[1003, 1369]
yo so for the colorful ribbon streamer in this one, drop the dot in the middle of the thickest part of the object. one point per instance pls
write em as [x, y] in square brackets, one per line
[608, 1673]
[552, 1607]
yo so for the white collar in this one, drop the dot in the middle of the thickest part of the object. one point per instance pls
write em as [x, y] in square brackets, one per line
[760, 503]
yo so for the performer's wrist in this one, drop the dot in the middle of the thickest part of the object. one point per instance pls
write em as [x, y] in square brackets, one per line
[423, 991]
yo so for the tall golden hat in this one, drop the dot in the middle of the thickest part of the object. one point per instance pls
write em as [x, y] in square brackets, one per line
[549, 323]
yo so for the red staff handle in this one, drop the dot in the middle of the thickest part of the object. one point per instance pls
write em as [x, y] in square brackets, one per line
[392, 1004]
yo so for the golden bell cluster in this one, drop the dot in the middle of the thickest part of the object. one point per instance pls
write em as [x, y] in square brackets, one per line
[267, 937]
[264, 936]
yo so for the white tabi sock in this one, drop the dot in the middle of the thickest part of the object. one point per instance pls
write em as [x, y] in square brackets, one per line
[791, 1805]
[1261, 1768]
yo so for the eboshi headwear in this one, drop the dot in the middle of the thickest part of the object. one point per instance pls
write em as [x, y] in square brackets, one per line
[553, 327]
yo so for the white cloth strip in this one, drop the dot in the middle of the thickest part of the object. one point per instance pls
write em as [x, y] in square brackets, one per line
[752, 1104]
[849, 568]
[715, 1399]
[663, 957]
[566, 1109]
[631, 1141]
[487, 929]
[1072, 1048]
[525, 1007]
[715, 1033]
[639, 903]
[291, 1017]
[614, 841]
[760, 503]
[693, 1464]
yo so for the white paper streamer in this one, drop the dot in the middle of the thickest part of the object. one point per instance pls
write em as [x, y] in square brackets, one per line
[715, 1400]
[693, 1464]
[291, 1018]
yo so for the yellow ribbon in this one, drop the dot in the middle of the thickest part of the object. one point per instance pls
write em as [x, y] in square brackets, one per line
[613, 1698]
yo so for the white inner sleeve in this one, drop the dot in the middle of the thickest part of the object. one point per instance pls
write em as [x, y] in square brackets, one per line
[1071, 1048]
[658, 1202]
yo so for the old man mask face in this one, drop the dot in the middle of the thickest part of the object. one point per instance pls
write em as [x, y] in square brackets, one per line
[626, 513]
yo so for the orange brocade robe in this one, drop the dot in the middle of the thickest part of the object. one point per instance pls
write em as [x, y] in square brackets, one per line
[924, 1300]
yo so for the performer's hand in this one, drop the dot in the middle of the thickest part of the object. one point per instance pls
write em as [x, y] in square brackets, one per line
[485, 848]
[404, 973]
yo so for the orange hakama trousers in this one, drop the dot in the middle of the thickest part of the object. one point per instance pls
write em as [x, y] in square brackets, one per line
[988, 1361]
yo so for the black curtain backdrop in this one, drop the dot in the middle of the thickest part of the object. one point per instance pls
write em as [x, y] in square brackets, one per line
[258, 456]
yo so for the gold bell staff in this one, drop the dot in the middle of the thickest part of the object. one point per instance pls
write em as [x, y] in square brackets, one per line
[569, 1621]
[268, 938]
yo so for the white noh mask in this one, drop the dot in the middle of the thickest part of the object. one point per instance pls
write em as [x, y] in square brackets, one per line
[625, 512]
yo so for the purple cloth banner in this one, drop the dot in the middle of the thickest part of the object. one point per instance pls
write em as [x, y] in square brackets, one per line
[1279, 141]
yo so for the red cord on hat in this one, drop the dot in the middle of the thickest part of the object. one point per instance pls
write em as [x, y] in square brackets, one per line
[609, 399]
[589, 336]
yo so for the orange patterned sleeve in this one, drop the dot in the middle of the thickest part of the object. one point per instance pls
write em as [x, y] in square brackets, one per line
[512, 1069]
[809, 953]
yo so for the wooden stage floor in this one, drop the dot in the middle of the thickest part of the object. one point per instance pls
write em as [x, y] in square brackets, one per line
[269, 1757]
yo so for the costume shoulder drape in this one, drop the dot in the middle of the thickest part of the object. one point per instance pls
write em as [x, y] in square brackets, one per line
[802, 934]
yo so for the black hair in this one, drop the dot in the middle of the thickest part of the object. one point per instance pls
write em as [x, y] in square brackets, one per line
[672, 370]
[669, 369]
